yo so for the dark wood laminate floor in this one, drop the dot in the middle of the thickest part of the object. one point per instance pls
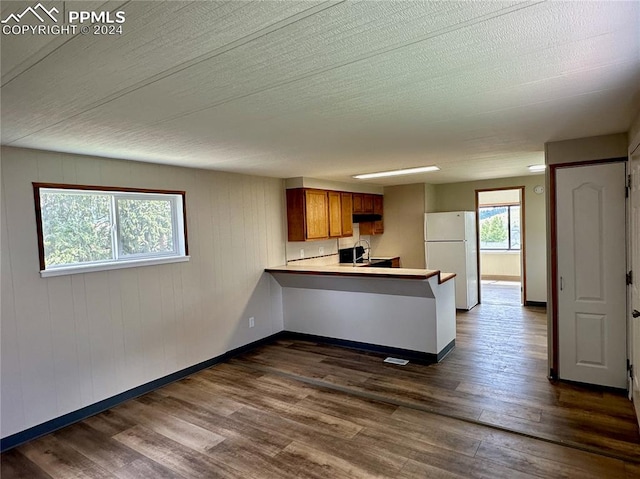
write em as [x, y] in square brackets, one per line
[297, 409]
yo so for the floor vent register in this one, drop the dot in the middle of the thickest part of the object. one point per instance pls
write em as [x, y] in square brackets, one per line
[399, 362]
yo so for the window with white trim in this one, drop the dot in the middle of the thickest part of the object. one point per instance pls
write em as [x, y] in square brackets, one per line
[499, 227]
[87, 228]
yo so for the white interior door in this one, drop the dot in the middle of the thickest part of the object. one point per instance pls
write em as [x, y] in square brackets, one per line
[634, 330]
[591, 241]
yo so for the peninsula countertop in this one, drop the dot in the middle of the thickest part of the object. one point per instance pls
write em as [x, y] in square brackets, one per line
[349, 270]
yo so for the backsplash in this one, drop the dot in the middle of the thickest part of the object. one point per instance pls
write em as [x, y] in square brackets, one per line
[327, 260]
[297, 250]
[319, 253]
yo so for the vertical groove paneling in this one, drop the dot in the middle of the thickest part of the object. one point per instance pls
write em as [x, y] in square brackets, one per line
[150, 320]
[31, 296]
[216, 300]
[261, 213]
[237, 236]
[11, 402]
[103, 371]
[169, 329]
[69, 170]
[66, 364]
[190, 274]
[117, 326]
[275, 213]
[252, 227]
[134, 350]
[206, 279]
[225, 272]
[70, 341]
[82, 339]
[180, 339]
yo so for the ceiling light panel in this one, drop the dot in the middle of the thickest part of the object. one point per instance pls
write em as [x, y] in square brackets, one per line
[407, 171]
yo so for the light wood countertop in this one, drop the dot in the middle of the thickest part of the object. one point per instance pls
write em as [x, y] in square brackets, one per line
[373, 272]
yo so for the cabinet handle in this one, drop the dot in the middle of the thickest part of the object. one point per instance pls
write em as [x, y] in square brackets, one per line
[635, 313]
[561, 284]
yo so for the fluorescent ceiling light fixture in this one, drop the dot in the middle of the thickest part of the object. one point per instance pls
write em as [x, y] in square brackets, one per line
[537, 167]
[408, 171]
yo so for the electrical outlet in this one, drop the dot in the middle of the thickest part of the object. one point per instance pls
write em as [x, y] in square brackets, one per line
[301, 253]
[321, 251]
[252, 322]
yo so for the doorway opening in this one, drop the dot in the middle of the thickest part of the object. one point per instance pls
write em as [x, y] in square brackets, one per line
[501, 260]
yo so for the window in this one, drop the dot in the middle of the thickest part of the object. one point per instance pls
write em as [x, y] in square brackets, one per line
[87, 228]
[500, 227]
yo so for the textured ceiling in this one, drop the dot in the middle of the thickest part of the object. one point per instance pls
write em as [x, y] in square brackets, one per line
[327, 89]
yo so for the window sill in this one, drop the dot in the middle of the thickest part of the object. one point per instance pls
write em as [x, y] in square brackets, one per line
[47, 273]
[500, 251]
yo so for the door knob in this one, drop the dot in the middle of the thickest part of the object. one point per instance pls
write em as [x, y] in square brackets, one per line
[635, 313]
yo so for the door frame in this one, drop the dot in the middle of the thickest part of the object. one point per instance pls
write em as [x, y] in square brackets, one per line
[523, 240]
[553, 221]
[634, 155]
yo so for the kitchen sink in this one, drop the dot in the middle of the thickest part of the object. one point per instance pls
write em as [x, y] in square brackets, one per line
[379, 263]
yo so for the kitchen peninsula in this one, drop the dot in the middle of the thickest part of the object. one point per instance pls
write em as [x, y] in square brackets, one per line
[409, 313]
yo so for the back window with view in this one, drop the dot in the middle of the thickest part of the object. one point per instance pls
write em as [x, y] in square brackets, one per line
[83, 227]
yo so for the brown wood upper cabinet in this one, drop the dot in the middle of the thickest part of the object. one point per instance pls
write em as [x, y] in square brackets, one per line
[318, 214]
[363, 203]
[307, 214]
[357, 203]
[335, 214]
[377, 207]
[346, 203]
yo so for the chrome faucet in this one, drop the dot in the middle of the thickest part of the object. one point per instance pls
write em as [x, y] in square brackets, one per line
[367, 249]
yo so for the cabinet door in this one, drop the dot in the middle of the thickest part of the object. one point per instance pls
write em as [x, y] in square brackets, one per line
[295, 215]
[378, 226]
[367, 204]
[335, 214]
[347, 213]
[317, 221]
[358, 203]
[366, 228]
[374, 227]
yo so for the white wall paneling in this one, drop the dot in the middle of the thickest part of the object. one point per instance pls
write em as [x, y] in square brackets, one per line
[71, 341]
[500, 263]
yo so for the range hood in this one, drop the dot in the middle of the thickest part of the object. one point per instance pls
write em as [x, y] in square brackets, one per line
[363, 218]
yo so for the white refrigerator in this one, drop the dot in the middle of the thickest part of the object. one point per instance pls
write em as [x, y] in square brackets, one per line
[450, 246]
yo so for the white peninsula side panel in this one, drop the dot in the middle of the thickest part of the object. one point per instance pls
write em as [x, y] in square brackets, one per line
[411, 314]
